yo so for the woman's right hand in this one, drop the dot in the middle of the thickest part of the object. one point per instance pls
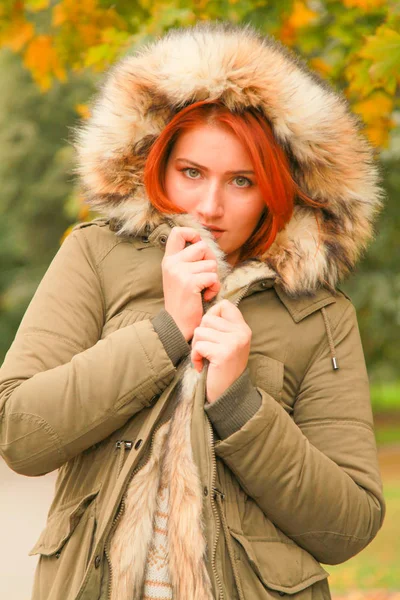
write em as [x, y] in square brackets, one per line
[186, 272]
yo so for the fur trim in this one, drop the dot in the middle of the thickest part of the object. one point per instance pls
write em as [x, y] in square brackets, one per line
[172, 462]
[330, 160]
[131, 540]
[187, 546]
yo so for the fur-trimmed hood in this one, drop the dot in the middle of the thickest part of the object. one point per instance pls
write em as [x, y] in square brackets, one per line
[329, 158]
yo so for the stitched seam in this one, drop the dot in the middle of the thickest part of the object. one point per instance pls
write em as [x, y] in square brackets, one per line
[321, 347]
[34, 330]
[153, 376]
[342, 535]
[352, 422]
[321, 301]
[107, 252]
[97, 271]
[47, 427]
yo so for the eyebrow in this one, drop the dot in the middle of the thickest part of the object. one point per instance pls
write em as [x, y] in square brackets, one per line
[191, 162]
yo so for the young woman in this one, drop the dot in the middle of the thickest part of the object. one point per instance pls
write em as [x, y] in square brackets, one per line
[187, 362]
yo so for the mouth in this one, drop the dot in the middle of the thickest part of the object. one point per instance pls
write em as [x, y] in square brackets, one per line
[212, 228]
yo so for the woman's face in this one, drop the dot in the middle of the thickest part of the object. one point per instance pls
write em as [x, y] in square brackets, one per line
[209, 175]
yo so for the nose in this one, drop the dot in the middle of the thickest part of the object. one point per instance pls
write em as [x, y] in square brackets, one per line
[210, 205]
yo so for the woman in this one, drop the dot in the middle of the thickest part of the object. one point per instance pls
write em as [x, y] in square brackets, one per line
[187, 362]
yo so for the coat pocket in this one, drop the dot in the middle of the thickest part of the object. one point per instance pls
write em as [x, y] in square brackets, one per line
[64, 549]
[274, 568]
[267, 373]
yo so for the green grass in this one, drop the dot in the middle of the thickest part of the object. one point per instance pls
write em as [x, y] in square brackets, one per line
[377, 566]
[386, 397]
[387, 434]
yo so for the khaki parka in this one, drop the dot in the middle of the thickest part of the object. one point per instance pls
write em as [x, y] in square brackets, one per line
[283, 466]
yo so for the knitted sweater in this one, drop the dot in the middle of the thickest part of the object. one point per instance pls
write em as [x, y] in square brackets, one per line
[157, 583]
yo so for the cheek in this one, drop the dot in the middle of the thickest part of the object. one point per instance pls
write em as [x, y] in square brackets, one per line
[178, 193]
[248, 214]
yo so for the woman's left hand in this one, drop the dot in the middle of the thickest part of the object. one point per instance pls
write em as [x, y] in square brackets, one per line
[223, 338]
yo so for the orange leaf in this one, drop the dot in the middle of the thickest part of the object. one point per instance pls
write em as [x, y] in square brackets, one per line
[377, 104]
[300, 17]
[321, 66]
[42, 60]
[83, 110]
[367, 5]
[19, 35]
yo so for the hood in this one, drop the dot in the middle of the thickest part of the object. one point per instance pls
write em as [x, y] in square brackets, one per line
[330, 160]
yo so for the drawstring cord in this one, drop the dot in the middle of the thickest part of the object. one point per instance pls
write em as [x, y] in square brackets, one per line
[330, 339]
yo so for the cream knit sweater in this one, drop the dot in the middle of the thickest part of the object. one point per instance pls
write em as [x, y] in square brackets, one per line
[157, 583]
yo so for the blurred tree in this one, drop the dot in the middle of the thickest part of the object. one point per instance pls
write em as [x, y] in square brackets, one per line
[353, 43]
[35, 170]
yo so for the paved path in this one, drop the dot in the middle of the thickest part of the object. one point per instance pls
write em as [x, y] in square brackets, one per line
[24, 502]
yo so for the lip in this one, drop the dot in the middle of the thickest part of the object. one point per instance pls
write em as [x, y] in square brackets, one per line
[213, 228]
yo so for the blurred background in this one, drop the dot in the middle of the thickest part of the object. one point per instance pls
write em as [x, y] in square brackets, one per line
[53, 54]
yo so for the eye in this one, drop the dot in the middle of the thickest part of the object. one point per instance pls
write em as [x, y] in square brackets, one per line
[243, 182]
[191, 172]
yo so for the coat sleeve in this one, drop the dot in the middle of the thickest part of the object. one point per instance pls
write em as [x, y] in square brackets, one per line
[316, 476]
[62, 388]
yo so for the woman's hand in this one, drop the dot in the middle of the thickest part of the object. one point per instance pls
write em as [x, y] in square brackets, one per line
[224, 339]
[187, 271]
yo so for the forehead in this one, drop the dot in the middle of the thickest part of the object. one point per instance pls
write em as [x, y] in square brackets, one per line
[207, 143]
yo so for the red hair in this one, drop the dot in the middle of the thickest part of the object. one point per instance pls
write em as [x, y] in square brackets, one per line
[270, 164]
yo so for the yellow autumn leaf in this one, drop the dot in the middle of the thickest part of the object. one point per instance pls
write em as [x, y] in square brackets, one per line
[83, 110]
[18, 35]
[300, 17]
[36, 5]
[59, 15]
[377, 105]
[84, 211]
[66, 233]
[42, 60]
[322, 67]
[376, 111]
[367, 5]
[378, 133]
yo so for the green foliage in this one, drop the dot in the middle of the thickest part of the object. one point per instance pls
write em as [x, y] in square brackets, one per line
[36, 173]
[375, 288]
[354, 43]
[385, 397]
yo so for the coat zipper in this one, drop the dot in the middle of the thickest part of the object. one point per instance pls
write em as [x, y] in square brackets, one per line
[122, 505]
[217, 493]
[246, 289]
[220, 498]
[121, 446]
[216, 515]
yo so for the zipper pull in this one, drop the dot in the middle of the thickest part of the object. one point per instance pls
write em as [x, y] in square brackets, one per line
[126, 444]
[218, 494]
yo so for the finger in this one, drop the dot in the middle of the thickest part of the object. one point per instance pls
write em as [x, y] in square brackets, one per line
[208, 335]
[226, 310]
[204, 349]
[217, 323]
[203, 266]
[207, 281]
[212, 291]
[197, 251]
[197, 360]
[179, 237]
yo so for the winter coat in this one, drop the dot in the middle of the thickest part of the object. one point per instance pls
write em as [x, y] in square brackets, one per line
[281, 472]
